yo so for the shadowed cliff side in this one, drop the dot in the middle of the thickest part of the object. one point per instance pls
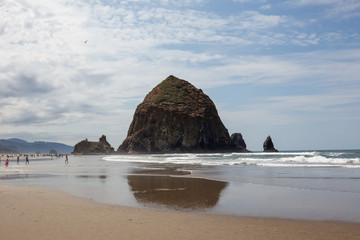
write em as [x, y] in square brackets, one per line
[239, 142]
[176, 117]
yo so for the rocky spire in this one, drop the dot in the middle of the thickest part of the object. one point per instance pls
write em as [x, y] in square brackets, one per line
[269, 145]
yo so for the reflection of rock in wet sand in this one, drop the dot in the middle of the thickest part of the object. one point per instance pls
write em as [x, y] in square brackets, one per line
[102, 178]
[24, 176]
[155, 170]
[176, 192]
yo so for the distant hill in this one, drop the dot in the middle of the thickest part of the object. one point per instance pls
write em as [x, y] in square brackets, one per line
[7, 151]
[15, 145]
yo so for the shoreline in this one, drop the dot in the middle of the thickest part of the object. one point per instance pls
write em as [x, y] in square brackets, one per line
[41, 213]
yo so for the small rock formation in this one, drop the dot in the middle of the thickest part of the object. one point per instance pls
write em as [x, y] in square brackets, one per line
[103, 140]
[269, 145]
[238, 140]
[87, 147]
[176, 117]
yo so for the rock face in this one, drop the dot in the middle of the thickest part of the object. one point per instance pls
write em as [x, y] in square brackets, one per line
[176, 117]
[238, 140]
[87, 147]
[269, 145]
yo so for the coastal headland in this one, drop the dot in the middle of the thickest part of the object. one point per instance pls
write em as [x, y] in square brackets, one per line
[38, 213]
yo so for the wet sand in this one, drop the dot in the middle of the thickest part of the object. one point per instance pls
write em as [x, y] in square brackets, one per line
[39, 213]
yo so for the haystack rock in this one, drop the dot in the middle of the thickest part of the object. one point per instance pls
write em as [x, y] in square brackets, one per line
[176, 117]
[269, 145]
[87, 147]
[238, 140]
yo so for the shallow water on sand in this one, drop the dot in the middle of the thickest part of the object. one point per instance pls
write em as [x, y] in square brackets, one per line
[303, 185]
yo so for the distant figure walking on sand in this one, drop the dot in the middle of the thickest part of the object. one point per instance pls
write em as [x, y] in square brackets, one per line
[27, 160]
[66, 159]
[7, 162]
[18, 159]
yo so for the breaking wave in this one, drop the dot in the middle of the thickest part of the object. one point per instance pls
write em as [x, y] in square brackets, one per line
[347, 159]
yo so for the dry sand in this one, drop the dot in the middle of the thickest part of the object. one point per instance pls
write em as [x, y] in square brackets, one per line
[37, 213]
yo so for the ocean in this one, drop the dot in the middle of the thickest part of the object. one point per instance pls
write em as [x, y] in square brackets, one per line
[310, 185]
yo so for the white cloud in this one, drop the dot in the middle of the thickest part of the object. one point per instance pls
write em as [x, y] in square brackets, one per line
[299, 109]
[336, 8]
[331, 76]
[305, 39]
[265, 7]
[314, 2]
[182, 2]
[346, 9]
[177, 3]
[49, 76]
[256, 21]
[250, 1]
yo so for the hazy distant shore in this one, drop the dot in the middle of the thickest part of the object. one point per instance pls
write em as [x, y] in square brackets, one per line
[38, 213]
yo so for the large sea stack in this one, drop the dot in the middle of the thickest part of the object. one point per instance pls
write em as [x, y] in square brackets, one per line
[176, 117]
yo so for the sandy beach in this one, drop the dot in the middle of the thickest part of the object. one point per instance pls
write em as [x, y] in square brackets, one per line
[40, 213]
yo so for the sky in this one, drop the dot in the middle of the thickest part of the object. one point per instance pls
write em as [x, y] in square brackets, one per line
[76, 69]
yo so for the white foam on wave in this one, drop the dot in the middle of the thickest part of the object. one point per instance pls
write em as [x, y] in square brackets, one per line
[305, 159]
[307, 165]
[270, 154]
[319, 160]
[130, 158]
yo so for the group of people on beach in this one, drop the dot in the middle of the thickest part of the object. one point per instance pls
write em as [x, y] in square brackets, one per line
[27, 162]
[17, 160]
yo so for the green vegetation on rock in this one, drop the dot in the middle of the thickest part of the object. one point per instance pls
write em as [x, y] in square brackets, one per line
[171, 91]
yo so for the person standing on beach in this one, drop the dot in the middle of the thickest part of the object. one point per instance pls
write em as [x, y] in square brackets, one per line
[18, 159]
[27, 159]
[66, 159]
[7, 162]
